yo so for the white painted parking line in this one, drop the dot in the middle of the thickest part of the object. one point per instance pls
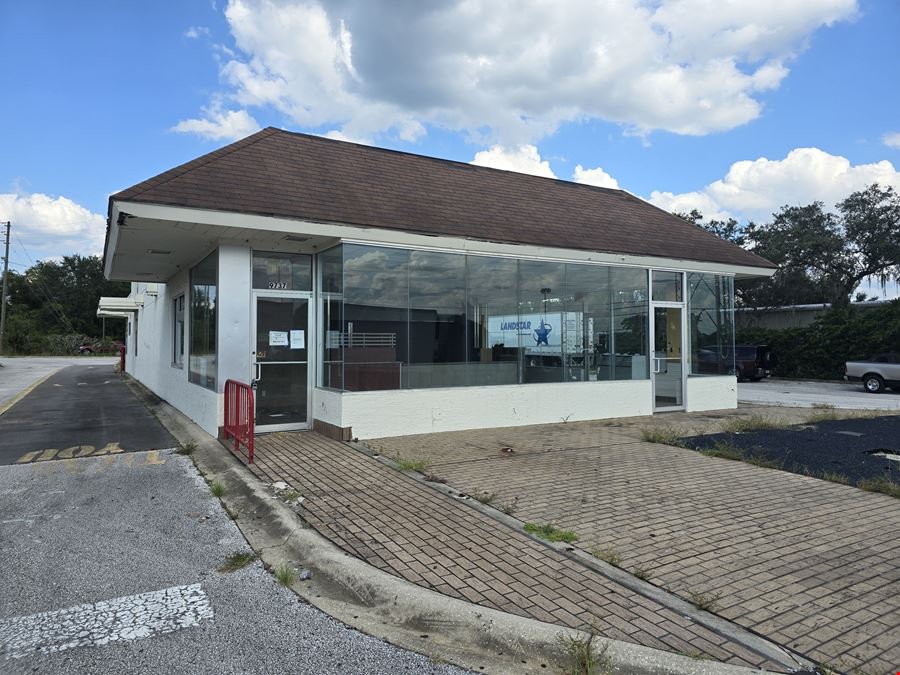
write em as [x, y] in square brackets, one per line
[128, 618]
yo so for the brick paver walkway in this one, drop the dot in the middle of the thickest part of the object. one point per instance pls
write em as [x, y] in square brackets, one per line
[810, 564]
[405, 528]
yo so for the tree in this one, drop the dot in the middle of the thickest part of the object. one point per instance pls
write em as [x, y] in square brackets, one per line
[58, 298]
[822, 256]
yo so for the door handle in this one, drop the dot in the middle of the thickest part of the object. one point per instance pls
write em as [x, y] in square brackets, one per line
[258, 375]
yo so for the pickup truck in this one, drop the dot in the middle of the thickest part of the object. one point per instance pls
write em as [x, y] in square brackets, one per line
[876, 374]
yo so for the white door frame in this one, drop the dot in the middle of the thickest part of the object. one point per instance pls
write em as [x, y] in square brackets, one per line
[684, 346]
[256, 368]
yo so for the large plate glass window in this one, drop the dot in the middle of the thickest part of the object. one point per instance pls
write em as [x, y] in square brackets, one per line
[711, 328]
[202, 355]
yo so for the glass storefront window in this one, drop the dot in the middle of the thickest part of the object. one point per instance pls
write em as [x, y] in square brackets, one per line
[711, 331]
[331, 309]
[667, 286]
[282, 271]
[492, 319]
[407, 319]
[541, 311]
[202, 357]
[437, 320]
[376, 317]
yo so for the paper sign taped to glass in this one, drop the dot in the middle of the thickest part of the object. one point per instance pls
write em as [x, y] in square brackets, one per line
[278, 338]
[298, 339]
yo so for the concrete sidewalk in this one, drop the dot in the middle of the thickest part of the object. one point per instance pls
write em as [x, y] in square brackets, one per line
[809, 563]
[398, 525]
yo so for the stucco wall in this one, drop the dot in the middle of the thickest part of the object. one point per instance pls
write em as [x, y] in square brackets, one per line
[396, 413]
[152, 365]
[711, 392]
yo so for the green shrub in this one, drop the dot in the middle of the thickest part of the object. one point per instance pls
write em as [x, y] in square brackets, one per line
[818, 351]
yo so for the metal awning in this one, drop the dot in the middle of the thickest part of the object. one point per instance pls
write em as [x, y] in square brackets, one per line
[119, 307]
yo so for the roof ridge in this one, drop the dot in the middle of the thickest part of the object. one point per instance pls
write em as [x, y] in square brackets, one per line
[187, 167]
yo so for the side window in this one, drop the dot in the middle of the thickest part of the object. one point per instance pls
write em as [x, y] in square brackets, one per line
[178, 331]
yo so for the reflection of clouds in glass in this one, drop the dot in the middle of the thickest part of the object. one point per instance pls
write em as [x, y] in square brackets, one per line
[375, 276]
[437, 281]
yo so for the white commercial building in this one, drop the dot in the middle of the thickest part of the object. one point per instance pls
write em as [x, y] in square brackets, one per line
[368, 292]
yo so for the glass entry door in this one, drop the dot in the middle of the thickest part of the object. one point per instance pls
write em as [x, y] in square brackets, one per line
[668, 361]
[281, 363]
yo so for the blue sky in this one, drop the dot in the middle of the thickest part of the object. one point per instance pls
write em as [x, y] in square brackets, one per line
[734, 111]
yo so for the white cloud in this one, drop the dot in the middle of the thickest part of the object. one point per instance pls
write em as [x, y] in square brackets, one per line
[49, 225]
[218, 124]
[195, 32]
[754, 189]
[596, 176]
[892, 140]
[512, 71]
[523, 159]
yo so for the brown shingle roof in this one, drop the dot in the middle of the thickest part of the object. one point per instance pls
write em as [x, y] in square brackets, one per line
[280, 173]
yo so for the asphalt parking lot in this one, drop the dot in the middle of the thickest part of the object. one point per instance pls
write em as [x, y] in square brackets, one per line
[853, 448]
[110, 565]
[805, 393]
[79, 411]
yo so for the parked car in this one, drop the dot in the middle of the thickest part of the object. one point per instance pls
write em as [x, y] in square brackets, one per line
[751, 362]
[876, 374]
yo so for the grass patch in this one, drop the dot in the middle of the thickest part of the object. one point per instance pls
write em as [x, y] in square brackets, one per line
[705, 601]
[641, 573]
[292, 495]
[412, 464]
[186, 448]
[822, 412]
[834, 477]
[285, 574]
[725, 450]
[217, 489]
[236, 561]
[664, 435]
[765, 463]
[886, 486]
[486, 498]
[583, 658]
[608, 555]
[753, 423]
[551, 532]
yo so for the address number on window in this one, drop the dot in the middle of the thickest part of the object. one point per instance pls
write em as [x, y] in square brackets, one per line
[278, 285]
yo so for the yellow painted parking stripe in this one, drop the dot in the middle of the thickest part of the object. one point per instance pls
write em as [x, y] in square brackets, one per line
[27, 390]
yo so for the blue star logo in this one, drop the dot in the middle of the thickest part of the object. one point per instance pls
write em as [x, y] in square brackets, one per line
[542, 334]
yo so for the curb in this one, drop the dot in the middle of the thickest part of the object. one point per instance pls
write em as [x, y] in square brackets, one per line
[388, 607]
[8, 405]
[745, 637]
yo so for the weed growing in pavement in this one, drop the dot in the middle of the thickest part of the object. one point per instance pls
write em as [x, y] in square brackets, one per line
[509, 508]
[886, 486]
[664, 435]
[285, 574]
[753, 423]
[412, 464]
[834, 477]
[486, 498]
[292, 495]
[583, 658]
[551, 532]
[217, 489]
[237, 560]
[822, 412]
[725, 450]
[705, 601]
[641, 573]
[607, 555]
[186, 448]
[756, 460]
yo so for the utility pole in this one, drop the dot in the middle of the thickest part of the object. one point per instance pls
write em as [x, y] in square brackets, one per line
[3, 293]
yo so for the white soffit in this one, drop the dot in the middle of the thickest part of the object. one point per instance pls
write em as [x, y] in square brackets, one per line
[215, 226]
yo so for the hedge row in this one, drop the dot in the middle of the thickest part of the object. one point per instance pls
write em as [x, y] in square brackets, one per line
[818, 351]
